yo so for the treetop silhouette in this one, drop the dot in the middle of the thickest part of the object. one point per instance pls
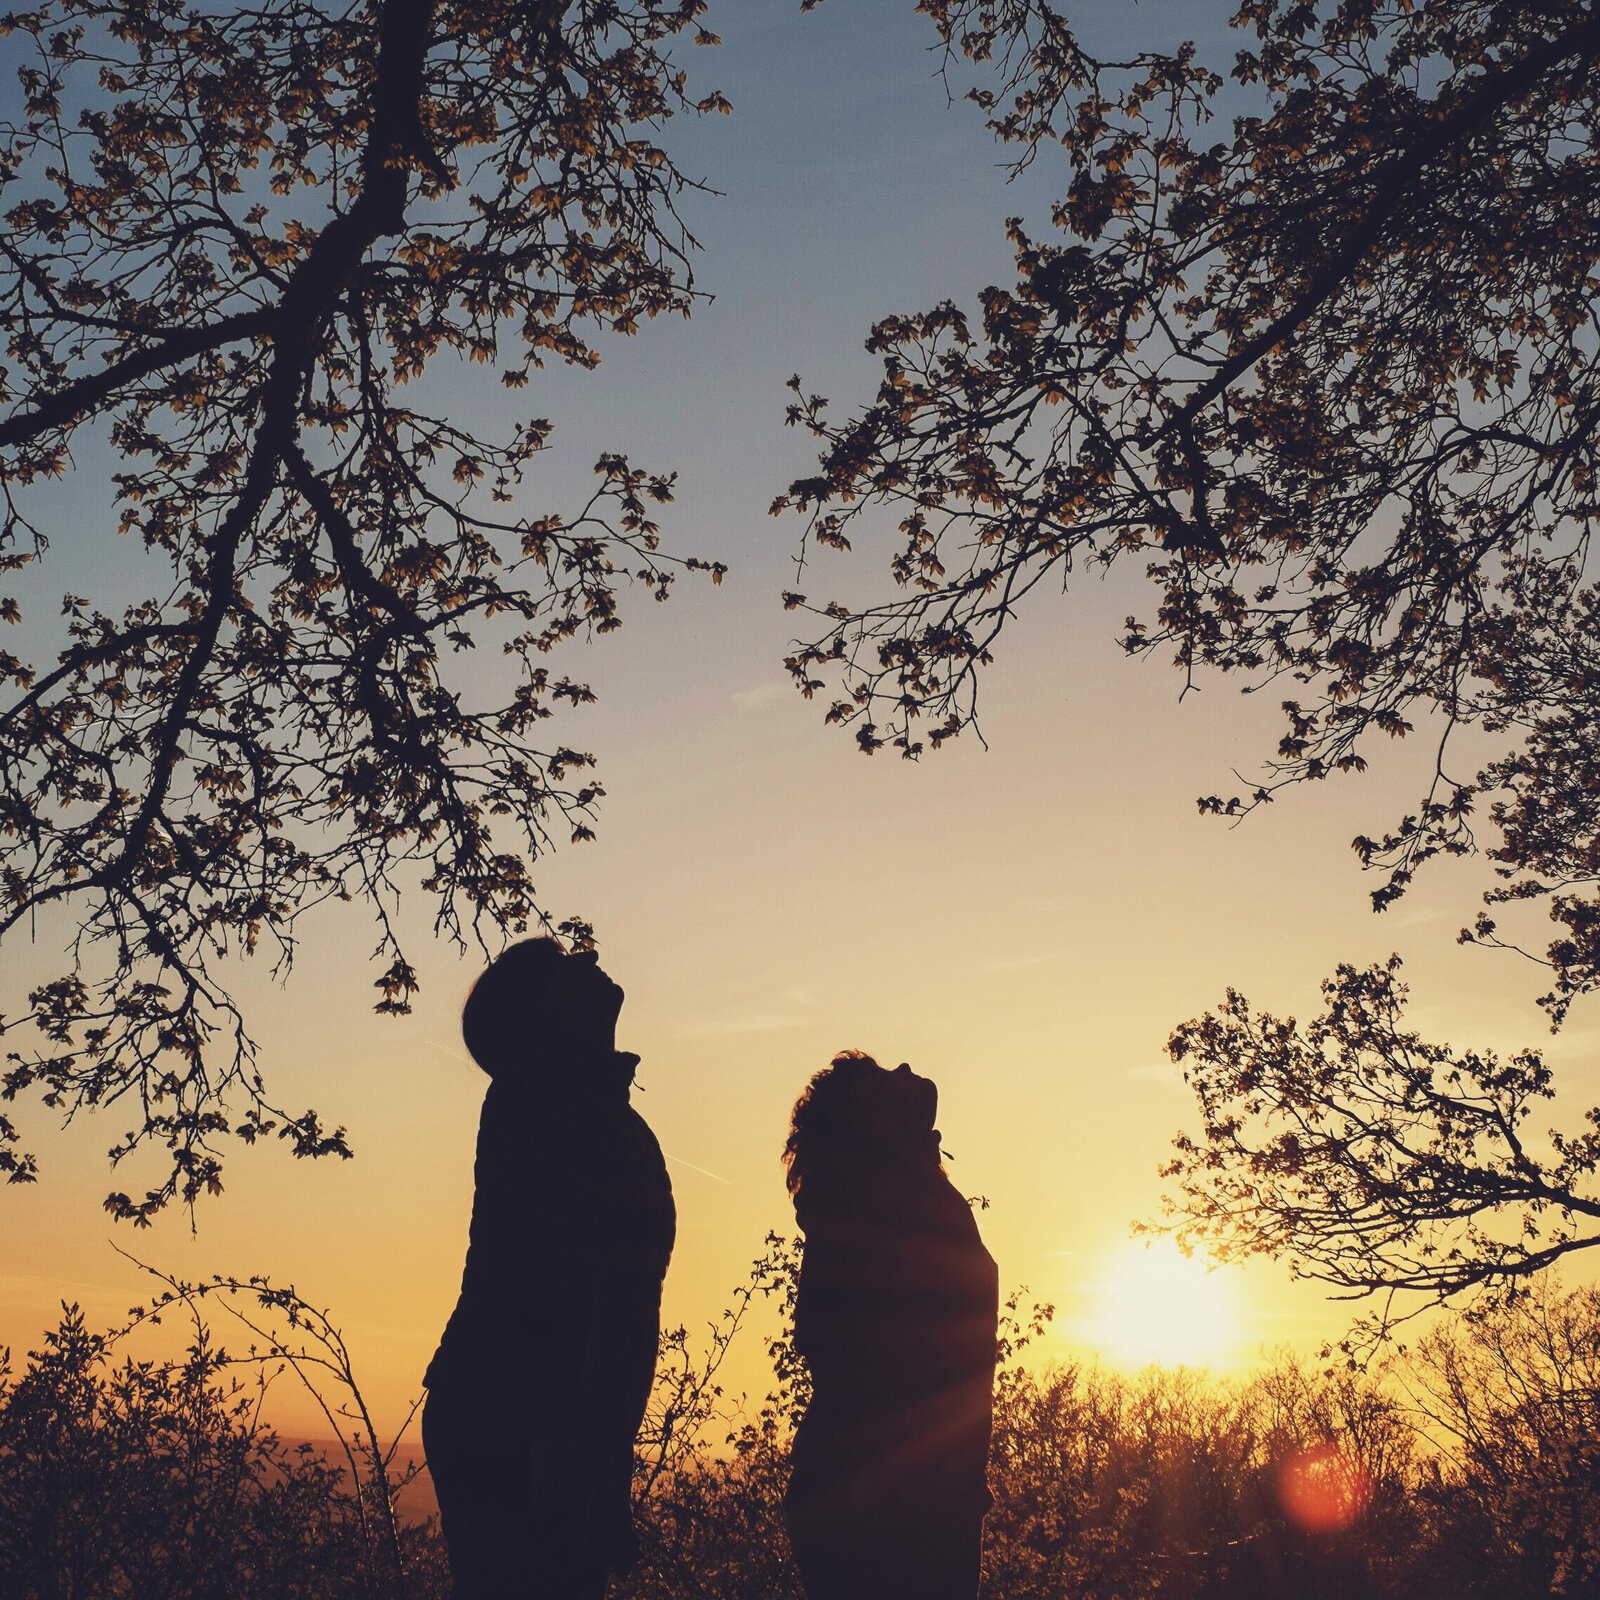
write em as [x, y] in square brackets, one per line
[1373, 1161]
[233, 238]
[1326, 374]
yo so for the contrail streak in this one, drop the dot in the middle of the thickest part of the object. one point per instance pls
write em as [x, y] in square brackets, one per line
[693, 1168]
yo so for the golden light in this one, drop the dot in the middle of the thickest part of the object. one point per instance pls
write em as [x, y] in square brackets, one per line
[1159, 1305]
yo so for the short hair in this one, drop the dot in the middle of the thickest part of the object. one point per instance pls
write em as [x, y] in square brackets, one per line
[517, 984]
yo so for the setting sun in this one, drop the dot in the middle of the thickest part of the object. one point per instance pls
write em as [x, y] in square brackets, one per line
[1157, 1305]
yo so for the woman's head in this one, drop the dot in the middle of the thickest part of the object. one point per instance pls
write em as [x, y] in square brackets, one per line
[856, 1112]
[536, 1001]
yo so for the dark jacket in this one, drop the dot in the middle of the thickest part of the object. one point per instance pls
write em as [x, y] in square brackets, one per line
[895, 1315]
[572, 1228]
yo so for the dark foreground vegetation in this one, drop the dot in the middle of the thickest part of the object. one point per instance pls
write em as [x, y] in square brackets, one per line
[1468, 1469]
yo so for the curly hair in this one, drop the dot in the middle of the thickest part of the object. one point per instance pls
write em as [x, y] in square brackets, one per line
[818, 1116]
[830, 1150]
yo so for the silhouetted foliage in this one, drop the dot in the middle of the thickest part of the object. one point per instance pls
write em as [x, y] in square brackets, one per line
[711, 1470]
[1326, 373]
[233, 237]
[289, 1335]
[1466, 1473]
[1511, 1399]
[1371, 1160]
[1171, 1485]
[159, 1482]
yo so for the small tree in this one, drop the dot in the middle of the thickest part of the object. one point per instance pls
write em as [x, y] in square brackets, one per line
[710, 1471]
[233, 238]
[1373, 1161]
[1511, 1398]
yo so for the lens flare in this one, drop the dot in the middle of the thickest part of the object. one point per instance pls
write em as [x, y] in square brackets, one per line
[1323, 1490]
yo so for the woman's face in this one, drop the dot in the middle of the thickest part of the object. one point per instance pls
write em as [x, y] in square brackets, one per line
[899, 1100]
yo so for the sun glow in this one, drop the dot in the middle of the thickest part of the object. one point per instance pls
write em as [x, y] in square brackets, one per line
[1158, 1305]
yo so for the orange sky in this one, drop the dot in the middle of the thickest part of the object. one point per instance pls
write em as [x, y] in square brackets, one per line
[1024, 924]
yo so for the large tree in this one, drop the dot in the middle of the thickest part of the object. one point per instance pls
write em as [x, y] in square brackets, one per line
[1328, 373]
[232, 237]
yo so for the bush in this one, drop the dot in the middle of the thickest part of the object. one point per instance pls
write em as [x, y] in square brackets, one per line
[159, 1482]
[1468, 1473]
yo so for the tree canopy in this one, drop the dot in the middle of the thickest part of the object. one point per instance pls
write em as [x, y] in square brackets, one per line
[1325, 369]
[1312, 342]
[232, 238]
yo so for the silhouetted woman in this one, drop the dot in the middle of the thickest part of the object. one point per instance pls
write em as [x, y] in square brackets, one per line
[896, 1316]
[541, 1378]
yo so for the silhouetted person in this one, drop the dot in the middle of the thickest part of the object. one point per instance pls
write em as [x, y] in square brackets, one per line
[542, 1376]
[896, 1317]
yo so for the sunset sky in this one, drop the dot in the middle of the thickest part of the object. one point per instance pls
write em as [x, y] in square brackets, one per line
[1023, 923]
